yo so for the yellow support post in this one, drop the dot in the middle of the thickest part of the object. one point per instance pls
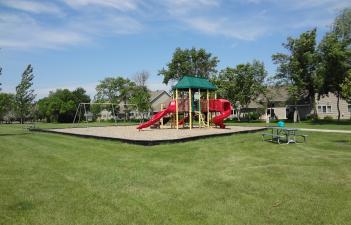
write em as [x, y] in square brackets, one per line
[199, 108]
[208, 109]
[177, 109]
[190, 109]
[162, 117]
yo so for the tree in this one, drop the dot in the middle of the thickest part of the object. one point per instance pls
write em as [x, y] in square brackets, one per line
[342, 27]
[115, 90]
[7, 101]
[25, 94]
[298, 68]
[61, 105]
[0, 75]
[333, 66]
[140, 97]
[346, 87]
[242, 84]
[141, 100]
[107, 90]
[190, 62]
[140, 78]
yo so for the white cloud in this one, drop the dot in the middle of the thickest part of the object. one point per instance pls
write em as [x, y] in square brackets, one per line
[22, 31]
[243, 29]
[32, 6]
[123, 5]
[105, 25]
[329, 4]
[179, 7]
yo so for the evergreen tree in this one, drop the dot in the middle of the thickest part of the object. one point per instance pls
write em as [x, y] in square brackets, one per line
[25, 94]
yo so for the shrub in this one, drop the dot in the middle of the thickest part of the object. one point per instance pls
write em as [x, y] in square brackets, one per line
[328, 118]
[253, 115]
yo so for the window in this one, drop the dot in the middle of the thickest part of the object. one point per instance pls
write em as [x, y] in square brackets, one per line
[324, 109]
[349, 107]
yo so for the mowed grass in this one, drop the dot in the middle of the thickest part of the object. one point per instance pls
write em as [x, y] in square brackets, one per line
[320, 124]
[56, 179]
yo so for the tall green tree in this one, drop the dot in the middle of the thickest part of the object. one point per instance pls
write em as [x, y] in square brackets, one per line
[115, 90]
[242, 84]
[108, 90]
[333, 66]
[298, 67]
[192, 62]
[0, 75]
[25, 94]
[141, 100]
[7, 103]
[342, 26]
[335, 57]
[61, 105]
[346, 87]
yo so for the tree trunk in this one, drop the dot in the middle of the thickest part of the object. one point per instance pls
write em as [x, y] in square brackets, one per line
[313, 103]
[338, 105]
[248, 113]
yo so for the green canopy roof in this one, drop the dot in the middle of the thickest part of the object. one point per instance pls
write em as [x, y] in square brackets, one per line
[195, 83]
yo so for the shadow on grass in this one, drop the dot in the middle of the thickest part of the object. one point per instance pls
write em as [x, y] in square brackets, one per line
[15, 134]
[329, 122]
[344, 141]
[22, 206]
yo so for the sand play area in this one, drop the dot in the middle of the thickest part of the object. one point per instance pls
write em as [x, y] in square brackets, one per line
[151, 136]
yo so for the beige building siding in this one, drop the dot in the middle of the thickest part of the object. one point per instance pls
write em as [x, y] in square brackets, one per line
[279, 112]
[327, 106]
[164, 98]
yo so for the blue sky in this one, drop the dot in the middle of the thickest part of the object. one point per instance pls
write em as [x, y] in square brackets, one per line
[73, 43]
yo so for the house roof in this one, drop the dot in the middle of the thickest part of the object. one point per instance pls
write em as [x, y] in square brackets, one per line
[277, 93]
[194, 82]
[154, 95]
[273, 94]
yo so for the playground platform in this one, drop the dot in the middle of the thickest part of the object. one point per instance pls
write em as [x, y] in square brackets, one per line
[148, 136]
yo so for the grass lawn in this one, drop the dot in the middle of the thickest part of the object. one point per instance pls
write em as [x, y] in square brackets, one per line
[320, 124]
[53, 179]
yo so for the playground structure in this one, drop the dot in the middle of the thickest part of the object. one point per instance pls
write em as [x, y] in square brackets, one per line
[194, 101]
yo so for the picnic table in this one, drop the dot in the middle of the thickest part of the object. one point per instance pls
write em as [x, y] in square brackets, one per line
[282, 134]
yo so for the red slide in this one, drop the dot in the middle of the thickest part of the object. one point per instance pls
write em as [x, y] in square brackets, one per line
[158, 116]
[218, 120]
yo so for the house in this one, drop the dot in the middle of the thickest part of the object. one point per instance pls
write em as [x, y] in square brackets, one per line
[105, 115]
[279, 106]
[275, 101]
[327, 107]
[159, 98]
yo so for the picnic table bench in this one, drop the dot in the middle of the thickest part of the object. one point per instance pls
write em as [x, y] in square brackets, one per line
[283, 134]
